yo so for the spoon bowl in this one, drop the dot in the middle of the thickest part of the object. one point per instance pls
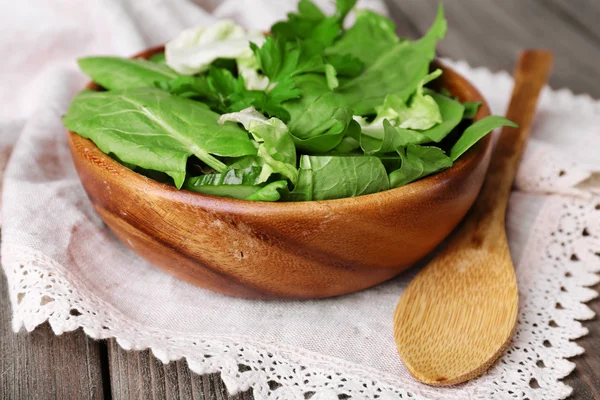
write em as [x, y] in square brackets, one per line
[457, 316]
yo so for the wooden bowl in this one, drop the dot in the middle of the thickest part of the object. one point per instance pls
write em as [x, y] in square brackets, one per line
[301, 250]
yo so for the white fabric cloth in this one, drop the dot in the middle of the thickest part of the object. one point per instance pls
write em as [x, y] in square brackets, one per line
[63, 265]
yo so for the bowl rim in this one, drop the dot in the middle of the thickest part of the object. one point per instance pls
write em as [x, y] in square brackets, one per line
[467, 161]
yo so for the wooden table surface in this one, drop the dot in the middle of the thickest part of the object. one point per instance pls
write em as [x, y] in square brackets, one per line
[488, 33]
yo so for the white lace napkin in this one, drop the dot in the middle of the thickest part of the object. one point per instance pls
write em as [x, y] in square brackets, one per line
[63, 265]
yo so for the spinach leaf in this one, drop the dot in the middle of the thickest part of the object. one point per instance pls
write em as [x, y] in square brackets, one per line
[304, 186]
[232, 191]
[471, 108]
[370, 37]
[473, 133]
[249, 176]
[379, 141]
[187, 86]
[350, 141]
[317, 123]
[269, 192]
[236, 183]
[345, 65]
[399, 70]
[418, 162]
[388, 140]
[246, 162]
[152, 129]
[123, 73]
[334, 177]
[328, 132]
[275, 145]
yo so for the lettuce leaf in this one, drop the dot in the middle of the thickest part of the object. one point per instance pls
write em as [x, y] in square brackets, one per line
[195, 49]
[274, 143]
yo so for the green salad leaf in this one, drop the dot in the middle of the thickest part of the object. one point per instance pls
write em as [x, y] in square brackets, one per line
[158, 58]
[314, 110]
[418, 162]
[398, 70]
[244, 184]
[471, 108]
[452, 112]
[368, 39]
[274, 143]
[473, 133]
[269, 192]
[249, 176]
[335, 177]
[389, 139]
[124, 73]
[152, 129]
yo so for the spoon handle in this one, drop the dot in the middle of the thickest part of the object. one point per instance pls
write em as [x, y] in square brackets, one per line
[531, 74]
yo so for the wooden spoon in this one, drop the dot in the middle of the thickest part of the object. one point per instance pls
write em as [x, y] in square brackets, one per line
[458, 315]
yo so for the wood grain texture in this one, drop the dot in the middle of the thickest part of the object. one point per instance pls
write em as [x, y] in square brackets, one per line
[575, 68]
[139, 375]
[490, 33]
[458, 314]
[40, 365]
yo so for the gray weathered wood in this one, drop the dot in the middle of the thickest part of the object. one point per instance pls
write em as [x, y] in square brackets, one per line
[490, 33]
[139, 375]
[585, 380]
[41, 365]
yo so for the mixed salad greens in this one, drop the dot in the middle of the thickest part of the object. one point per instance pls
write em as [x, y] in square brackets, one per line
[310, 111]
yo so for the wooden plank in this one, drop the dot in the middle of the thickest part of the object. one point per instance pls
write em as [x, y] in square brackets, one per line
[41, 365]
[490, 33]
[585, 380]
[139, 375]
